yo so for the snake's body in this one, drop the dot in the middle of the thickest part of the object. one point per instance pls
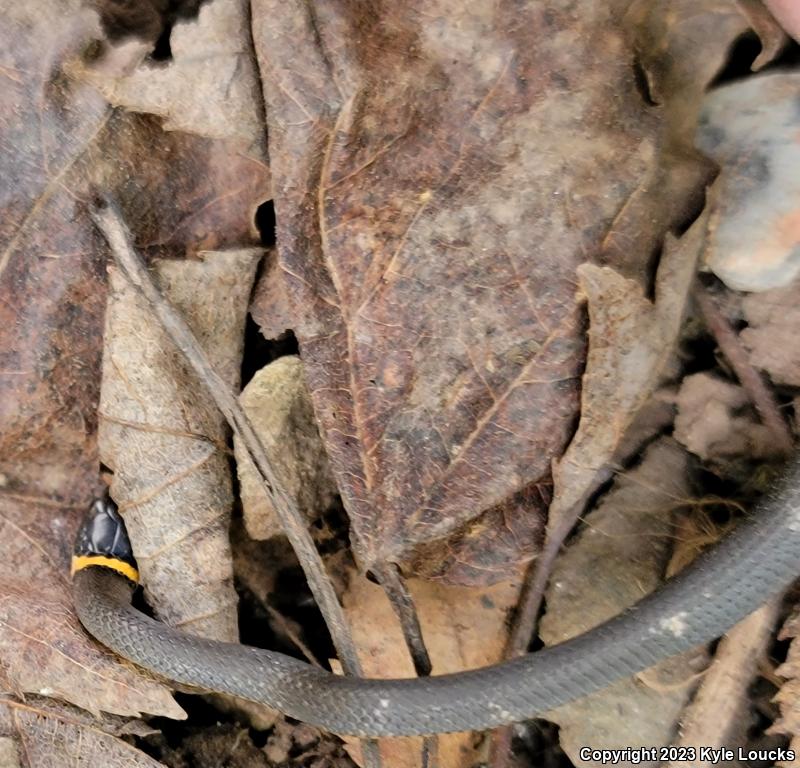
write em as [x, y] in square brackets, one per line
[756, 561]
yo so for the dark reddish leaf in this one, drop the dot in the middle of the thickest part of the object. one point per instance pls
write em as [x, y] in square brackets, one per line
[61, 143]
[441, 170]
[42, 646]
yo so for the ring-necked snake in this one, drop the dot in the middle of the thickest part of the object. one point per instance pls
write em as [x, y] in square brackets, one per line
[759, 559]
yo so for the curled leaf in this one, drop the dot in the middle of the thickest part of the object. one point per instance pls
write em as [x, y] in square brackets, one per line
[209, 87]
[619, 557]
[163, 436]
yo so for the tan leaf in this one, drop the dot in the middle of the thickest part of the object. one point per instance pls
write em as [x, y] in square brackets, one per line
[631, 340]
[719, 712]
[618, 558]
[209, 87]
[788, 697]
[164, 437]
[44, 735]
[463, 628]
[772, 36]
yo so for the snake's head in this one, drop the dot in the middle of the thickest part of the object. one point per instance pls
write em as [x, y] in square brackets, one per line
[102, 541]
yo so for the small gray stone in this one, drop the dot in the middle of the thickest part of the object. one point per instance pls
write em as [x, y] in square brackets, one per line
[750, 129]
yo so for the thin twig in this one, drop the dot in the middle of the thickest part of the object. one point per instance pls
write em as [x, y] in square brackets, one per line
[283, 623]
[530, 602]
[715, 716]
[525, 618]
[110, 223]
[402, 604]
[750, 379]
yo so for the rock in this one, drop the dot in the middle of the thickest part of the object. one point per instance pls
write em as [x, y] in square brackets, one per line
[279, 405]
[750, 129]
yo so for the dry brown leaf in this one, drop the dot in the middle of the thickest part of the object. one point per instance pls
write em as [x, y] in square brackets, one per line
[270, 306]
[42, 734]
[463, 628]
[43, 648]
[718, 716]
[678, 46]
[297, 745]
[772, 36]
[619, 557]
[9, 756]
[164, 438]
[773, 318]
[511, 532]
[433, 209]
[191, 194]
[458, 122]
[278, 404]
[441, 181]
[654, 418]
[794, 743]
[788, 697]
[210, 86]
[631, 341]
[218, 745]
[52, 296]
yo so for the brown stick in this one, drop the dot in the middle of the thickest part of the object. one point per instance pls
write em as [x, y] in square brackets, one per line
[715, 715]
[750, 379]
[530, 603]
[110, 223]
[402, 604]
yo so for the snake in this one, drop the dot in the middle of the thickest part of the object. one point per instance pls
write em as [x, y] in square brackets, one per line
[756, 561]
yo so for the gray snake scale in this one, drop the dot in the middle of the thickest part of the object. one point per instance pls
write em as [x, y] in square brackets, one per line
[758, 560]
